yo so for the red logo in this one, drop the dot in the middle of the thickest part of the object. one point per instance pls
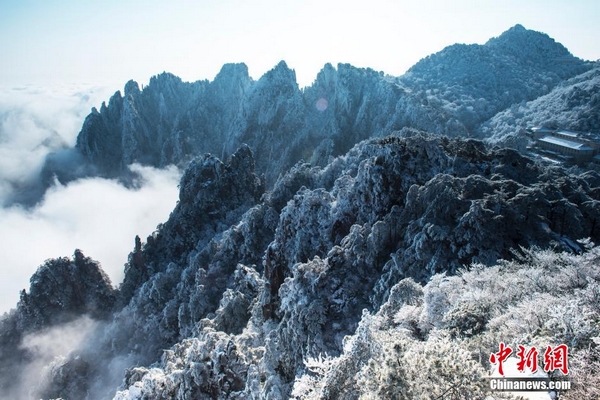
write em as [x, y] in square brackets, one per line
[554, 358]
[527, 358]
[500, 357]
[557, 358]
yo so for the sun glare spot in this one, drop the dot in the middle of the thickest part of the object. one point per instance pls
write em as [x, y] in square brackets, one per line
[322, 104]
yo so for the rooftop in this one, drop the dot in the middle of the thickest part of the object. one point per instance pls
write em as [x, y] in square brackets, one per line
[566, 143]
[541, 129]
[568, 133]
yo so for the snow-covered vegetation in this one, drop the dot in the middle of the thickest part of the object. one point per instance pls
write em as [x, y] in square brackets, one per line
[572, 105]
[238, 298]
[472, 83]
[326, 248]
[434, 341]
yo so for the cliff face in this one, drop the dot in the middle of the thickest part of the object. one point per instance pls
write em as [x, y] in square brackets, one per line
[170, 121]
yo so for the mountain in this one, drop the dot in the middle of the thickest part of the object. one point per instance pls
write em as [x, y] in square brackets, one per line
[241, 288]
[345, 240]
[281, 123]
[452, 92]
[472, 83]
[61, 290]
[573, 105]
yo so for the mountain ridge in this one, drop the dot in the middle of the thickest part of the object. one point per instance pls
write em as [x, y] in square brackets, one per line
[452, 92]
[286, 273]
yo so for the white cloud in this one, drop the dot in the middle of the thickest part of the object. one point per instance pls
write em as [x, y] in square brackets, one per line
[35, 122]
[98, 216]
[50, 348]
[58, 340]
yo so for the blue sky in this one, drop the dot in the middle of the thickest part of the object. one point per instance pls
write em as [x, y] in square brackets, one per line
[109, 42]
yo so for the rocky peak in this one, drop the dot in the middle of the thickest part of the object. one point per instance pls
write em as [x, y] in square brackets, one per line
[525, 43]
[63, 289]
[517, 28]
[237, 293]
[281, 76]
[229, 87]
[232, 72]
[212, 193]
[132, 88]
[326, 72]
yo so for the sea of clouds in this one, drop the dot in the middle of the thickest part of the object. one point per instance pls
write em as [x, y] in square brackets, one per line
[99, 216]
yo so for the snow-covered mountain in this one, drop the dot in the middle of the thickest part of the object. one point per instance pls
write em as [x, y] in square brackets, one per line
[572, 105]
[451, 93]
[170, 121]
[472, 83]
[241, 289]
[323, 245]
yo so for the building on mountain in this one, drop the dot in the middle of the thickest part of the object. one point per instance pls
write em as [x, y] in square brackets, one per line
[579, 148]
[580, 153]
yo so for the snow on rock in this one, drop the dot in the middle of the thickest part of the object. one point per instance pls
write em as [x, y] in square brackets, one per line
[239, 288]
[371, 271]
[572, 105]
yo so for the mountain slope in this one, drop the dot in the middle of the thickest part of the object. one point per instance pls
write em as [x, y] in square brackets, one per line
[451, 92]
[246, 289]
[474, 82]
[572, 105]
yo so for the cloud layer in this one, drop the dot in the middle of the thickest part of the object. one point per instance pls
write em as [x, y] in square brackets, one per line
[98, 216]
[35, 122]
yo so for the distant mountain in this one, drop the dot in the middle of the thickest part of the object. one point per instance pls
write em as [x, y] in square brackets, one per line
[451, 93]
[170, 121]
[471, 83]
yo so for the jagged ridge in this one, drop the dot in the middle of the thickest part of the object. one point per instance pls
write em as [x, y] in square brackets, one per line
[451, 92]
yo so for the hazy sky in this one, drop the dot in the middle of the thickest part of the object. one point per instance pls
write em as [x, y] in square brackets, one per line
[112, 41]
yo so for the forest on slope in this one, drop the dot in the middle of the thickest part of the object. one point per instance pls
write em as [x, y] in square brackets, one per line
[323, 252]
[240, 288]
